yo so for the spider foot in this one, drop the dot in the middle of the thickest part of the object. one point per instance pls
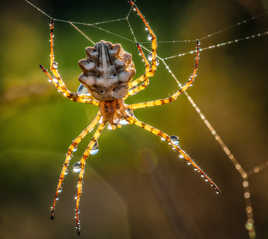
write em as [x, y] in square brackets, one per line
[52, 214]
[78, 228]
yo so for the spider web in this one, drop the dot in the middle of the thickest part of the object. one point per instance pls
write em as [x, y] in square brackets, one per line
[245, 175]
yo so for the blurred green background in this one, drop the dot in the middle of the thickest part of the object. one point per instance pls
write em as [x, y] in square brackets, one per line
[135, 187]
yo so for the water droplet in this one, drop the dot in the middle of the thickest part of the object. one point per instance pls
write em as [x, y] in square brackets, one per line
[249, 224]
[245, 184]
[55, 65]
[163, 139]
[55, 81]
[157, 62]
[181, 156]
[75, 149]
[150, 57]
[75, 197]
[109, 127]
[174, 139]
[49, 80]
[146, 29]
[189, 164]
[206, 180]
[149, 37]
[57, 198]
[77, 167]
[129, 112]
[134, 9]
[66, 172]
[60, 190]
[95, 149]
[123, 122]
[82, 90]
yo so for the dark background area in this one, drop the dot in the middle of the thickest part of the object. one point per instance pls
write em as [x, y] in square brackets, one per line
[135, 187]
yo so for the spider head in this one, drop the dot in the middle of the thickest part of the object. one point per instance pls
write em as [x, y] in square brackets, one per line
[107, 71]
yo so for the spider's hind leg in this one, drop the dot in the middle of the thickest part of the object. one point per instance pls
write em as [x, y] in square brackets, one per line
[82, 165]
[182, 154]
[71, 149]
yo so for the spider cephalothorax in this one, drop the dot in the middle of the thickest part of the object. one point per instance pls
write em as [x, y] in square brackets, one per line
[107, 71]
[106, 82]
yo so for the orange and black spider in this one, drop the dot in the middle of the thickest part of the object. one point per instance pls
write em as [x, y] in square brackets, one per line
[107, 81]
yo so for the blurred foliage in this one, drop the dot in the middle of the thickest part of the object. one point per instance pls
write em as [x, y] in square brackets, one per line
[135, 187]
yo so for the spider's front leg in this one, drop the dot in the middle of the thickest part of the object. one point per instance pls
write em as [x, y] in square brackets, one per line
[149, 70]
[135, 88]
[177, 93]
[182, 154]
[56, 79]
[82, 172]
[72, 148]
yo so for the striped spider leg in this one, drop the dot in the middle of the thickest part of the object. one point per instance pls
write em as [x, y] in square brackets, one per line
[143, 81]
[72, 148]
[174, 96]
[56, 79]
[82, 165]
[175, 146]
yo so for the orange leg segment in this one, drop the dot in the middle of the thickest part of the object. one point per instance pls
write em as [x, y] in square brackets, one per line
[81, 174]
[56, 79]
[176, 94]
[134, 89]
[69, 153]
[149, 71]
[176, 147]
[61, 88]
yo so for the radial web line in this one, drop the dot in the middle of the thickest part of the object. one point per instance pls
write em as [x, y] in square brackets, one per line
[219, 45]
[242, 172]
[210, 35]
[82, 33]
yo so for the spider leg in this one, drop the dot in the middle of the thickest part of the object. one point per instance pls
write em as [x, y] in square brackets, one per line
[149, 72]
[56, 78]
[68, 94]
[177, 93]
[134, 89]
[82, 172]
[71, 149]
[182, 154]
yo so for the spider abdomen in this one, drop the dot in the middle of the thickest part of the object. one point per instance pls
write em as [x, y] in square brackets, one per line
[107, 71]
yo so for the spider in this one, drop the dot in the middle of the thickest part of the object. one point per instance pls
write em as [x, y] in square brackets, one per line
[107, 81]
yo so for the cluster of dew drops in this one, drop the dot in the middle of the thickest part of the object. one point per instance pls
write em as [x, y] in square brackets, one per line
[175, 141]
[77, 166]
